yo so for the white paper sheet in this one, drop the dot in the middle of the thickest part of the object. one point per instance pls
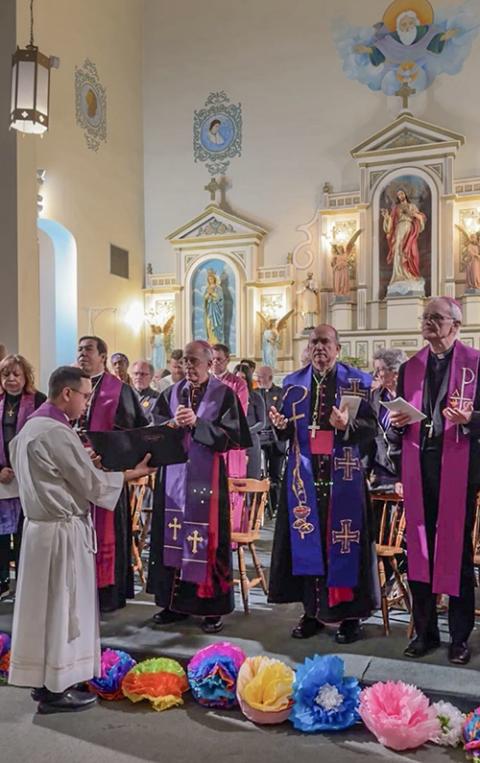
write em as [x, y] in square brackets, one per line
[399, 405]
[352, 402]
[10, 490]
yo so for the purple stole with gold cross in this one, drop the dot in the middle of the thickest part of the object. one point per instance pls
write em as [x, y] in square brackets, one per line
[462, 386]
[347, 484]
[191, 496]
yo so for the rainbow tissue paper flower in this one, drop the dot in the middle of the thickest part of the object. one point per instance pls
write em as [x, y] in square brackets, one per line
[323, 698]
[264, 690]
[115, 665]
[212, 674]
[398, 715]
[471, 735]
[160, 680]
[5, 643]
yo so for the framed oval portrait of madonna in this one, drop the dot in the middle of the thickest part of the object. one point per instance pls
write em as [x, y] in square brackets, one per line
[217, 133]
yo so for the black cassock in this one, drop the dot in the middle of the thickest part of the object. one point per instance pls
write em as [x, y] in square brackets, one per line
[227, 431]
[312, 591]
[129, 415]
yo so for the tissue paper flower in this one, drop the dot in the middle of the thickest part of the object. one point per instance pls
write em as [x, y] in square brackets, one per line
[399, 715]
[115, 665]
[160, 680]
[323, 699]
[5, 643]
[471, 735]
[451, 724]
[212, 674]
[264, 690]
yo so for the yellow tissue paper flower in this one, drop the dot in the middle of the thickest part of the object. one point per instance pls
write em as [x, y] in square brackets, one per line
[265, 684]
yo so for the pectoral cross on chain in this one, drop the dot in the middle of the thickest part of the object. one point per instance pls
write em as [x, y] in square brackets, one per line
[345, 536]
[175, 526]
[195, 539]
[314, 428]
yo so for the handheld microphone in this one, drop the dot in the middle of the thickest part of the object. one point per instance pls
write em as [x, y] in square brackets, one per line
[185, 396]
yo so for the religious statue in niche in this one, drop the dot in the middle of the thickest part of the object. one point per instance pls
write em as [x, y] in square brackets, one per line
[309, 302]
[405, 223]
[213, 303]
[412, 44]
[470, 259]
[214, 309]
[343, 264]
[271, 336]
[160, 339]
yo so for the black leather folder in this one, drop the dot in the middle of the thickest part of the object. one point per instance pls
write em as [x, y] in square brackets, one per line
[124, 449]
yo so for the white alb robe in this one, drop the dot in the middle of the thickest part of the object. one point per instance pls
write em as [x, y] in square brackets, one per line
[55, 636]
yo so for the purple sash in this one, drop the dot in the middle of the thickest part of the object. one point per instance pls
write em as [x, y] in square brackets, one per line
[50, 411]
[102, 419]
[347, 486]
[453, 474]
[188, 494]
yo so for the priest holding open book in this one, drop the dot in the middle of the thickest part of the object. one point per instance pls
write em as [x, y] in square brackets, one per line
[440, 476]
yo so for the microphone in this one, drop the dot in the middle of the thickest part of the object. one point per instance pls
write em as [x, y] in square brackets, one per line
[185, 396]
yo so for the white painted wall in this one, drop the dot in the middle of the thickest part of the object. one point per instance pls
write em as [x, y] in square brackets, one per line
[301, 115]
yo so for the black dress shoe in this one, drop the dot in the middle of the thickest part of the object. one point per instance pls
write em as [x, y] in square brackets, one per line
[70, 701]
[419, 647]
[212, 624]
[348, 632]
[307, 627]
[167, 616]
[459, 654]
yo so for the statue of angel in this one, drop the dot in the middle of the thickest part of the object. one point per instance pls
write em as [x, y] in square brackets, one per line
[272, 328]
[160, 340]
[471, 257]
[343, 263]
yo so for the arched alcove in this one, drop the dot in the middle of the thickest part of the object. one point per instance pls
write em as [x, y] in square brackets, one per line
[58, 297]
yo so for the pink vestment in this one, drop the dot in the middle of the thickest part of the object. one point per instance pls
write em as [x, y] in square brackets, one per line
[236, 460]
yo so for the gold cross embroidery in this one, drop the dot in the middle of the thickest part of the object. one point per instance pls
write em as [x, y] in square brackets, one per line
[348, 464]
[345, 536]
[175, 525]
[195, 539]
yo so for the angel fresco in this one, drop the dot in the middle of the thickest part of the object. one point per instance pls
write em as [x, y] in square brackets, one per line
[410, 46]
[160, 340]
[343, 264]
[471, 258]
[272, 328]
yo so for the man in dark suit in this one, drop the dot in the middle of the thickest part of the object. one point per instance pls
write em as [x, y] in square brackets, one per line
[273, 449]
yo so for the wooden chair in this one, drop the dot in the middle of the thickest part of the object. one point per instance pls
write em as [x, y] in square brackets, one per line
[476, 545]
[254, 495]
[136, 492]
[389, 548]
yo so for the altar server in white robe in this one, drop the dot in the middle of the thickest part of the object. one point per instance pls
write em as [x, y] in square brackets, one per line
[55, 637]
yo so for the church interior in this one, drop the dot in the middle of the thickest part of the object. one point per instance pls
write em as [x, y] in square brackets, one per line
[177, 162]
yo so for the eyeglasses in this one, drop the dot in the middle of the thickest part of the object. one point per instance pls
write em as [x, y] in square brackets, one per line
[435, 318]
[86, 395]
[140, 373]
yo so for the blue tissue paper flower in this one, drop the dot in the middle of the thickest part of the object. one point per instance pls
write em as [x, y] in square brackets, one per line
[323, 699]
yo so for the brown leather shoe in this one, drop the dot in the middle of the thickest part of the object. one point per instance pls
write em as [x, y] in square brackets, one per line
[419, 647]
[459, 654]
[307, 627]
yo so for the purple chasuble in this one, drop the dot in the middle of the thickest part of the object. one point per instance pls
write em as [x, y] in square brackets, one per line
[189, 493]
[453, 474]
[10, 508]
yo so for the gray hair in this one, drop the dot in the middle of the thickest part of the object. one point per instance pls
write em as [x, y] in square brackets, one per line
[392, 358]
[151, 367]
[453, 307]
[203, 345]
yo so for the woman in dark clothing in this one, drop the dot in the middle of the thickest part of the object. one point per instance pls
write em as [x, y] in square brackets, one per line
[384, 455]
[18, 400]
[256, 418]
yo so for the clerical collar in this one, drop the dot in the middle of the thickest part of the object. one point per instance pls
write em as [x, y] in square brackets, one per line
[220, 376]
[95, 379]
[322, 376]
[13, 399]
[442, 355]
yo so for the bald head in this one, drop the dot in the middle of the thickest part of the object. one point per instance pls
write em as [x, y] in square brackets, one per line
[265, 377]
[323, 347]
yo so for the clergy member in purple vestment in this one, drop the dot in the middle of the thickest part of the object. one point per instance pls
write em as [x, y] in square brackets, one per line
[323, 547]
[190, 569]
[18, 400]
[55, 634]
[113, 405]
[441, 478]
